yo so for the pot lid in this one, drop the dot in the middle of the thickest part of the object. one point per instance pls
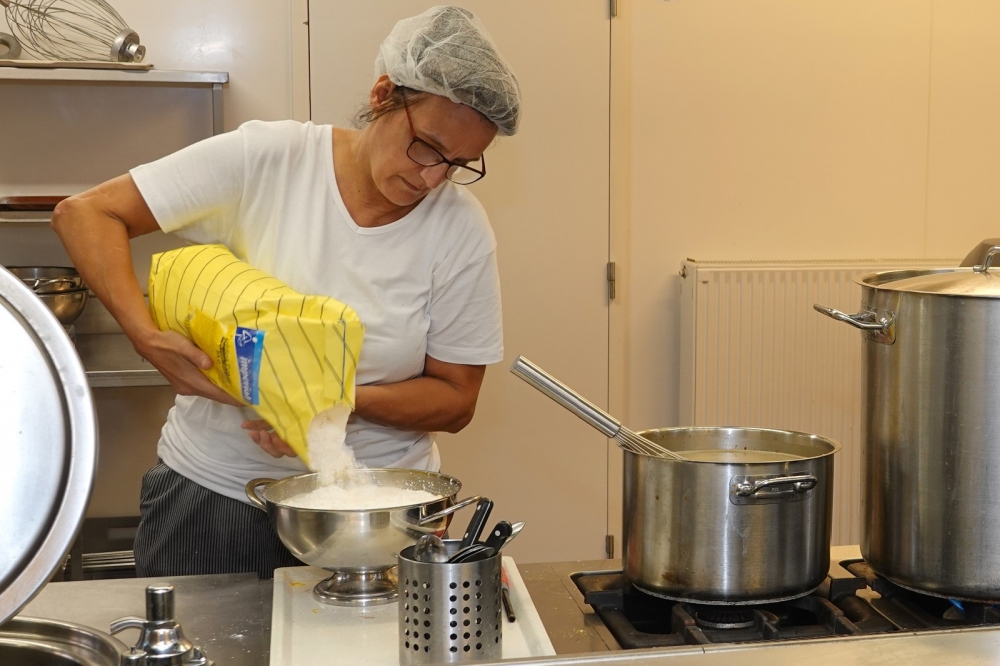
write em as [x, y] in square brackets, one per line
[48, 444]
[979, 282]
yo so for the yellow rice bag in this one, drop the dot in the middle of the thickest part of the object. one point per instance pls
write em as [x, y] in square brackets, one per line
[288, 355]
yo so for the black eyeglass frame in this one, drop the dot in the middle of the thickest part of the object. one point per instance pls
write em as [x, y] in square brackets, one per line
[443, 160]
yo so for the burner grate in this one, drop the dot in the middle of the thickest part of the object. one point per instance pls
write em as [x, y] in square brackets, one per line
[912, 611]
[639, 620]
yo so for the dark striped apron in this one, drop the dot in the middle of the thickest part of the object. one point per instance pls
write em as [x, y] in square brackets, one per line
[187, 529]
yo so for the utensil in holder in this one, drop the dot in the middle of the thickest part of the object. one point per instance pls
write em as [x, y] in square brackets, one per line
[449, 613]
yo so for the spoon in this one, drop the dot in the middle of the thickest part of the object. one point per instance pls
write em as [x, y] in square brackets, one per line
[431, 549]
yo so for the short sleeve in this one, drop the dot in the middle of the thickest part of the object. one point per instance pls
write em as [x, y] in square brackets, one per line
[196, 191]
[466, 316]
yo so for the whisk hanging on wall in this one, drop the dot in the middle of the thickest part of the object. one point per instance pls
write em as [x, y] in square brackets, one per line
[73, 30]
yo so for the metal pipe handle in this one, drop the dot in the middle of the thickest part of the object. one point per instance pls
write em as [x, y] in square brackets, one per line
[800, 483]
[251, 491]
[566, 396]
[450, 510]
[768, 489]
[987, 260]
[866, 321]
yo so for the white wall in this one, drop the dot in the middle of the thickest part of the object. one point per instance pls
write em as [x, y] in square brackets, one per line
[779, 129]
[250, 39]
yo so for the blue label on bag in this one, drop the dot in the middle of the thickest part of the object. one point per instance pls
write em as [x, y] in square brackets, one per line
[249, 344]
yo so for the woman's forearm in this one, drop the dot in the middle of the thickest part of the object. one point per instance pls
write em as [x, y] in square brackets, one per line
[97, 241]
[442, 402]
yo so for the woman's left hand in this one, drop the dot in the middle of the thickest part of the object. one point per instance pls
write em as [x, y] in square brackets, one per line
[265, 437]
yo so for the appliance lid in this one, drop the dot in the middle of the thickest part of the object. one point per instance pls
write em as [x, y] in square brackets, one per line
[48, 444]
[967, 282]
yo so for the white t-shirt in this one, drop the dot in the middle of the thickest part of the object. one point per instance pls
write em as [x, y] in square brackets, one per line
[426, 284]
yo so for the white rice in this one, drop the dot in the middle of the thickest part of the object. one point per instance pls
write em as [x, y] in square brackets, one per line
[333, 460]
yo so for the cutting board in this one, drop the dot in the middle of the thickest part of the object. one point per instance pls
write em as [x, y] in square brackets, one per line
[305, 632]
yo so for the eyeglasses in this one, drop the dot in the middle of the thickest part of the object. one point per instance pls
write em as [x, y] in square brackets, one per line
[427, 155]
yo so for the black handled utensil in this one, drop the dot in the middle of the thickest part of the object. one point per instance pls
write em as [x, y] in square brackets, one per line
[477, 523]
[499, 535]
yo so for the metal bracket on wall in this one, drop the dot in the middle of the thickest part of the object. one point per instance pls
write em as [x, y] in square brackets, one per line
[614, 8]
[611, 280]
[609, 545]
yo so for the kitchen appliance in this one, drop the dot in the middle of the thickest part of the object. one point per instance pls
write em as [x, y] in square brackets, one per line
[931, 428]
[586, 410]
[306, 632]
[853, 600]
[750, 528]
[450, 613]
[75, 30]
[358, 547]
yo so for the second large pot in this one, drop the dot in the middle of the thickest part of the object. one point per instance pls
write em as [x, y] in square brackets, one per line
[729, 532]
[931, 428]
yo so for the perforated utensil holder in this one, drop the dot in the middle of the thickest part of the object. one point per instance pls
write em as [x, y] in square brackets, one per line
[449, 613]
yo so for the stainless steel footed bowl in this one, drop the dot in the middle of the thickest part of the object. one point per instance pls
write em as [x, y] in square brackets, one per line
[359, 547]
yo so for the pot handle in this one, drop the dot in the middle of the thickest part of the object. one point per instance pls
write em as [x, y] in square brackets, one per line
[866, 321]
[987, 260]
[755, 489]
[877, 328]
[447, 512]
[251, 491]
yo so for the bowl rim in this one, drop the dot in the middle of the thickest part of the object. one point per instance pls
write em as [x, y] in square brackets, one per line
[264, 492]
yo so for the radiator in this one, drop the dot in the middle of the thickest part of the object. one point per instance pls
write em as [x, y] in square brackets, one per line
[755, 353]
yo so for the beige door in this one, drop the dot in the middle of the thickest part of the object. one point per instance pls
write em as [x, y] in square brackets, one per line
[547, 198]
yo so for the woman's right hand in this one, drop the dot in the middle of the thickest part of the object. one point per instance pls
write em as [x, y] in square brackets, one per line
[181, 362]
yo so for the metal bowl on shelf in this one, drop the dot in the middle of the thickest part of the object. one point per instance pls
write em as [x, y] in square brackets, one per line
[60, 287]
[359, 547]
[67, 306]
[48, 279]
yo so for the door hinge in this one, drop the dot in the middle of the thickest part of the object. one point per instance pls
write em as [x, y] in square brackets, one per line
[611, 280]
[614, 8]
[609, 545]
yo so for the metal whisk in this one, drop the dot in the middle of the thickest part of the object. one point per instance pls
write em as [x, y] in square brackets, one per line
[588, 411]
[73, 30]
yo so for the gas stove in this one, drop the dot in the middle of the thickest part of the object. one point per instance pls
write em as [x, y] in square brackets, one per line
[853, 601]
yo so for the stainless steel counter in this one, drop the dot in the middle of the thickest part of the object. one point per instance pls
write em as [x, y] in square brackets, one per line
[230, 616]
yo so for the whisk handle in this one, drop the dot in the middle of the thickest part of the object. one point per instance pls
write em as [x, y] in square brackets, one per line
[566, 396]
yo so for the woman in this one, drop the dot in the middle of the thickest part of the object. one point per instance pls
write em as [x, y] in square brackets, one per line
[376, 217]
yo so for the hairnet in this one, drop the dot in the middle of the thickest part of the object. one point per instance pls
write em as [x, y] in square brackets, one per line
[447, 51]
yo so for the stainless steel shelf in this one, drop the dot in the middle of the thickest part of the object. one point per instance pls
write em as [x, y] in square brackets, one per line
[25, 217]
[125, 378]
[111, 362]
[147, 77]
[213, 81]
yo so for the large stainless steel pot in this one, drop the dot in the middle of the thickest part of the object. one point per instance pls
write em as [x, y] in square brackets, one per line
[931, 435]
[729, 532]
[359, 547]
